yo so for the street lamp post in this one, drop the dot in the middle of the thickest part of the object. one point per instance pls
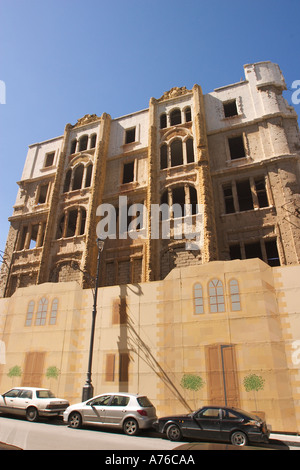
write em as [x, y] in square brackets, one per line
[88, 389]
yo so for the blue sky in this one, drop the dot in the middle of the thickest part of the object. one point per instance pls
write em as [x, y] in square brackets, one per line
[62, 59]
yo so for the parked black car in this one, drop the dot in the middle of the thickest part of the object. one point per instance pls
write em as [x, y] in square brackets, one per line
[217, 424]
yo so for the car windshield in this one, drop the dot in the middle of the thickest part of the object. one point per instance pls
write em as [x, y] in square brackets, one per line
[144, 401]
[44, 394]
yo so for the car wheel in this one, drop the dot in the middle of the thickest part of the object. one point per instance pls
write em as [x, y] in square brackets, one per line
[174, 433]
[130, 427]
[75, 420]
[32, 414]
[239, 438]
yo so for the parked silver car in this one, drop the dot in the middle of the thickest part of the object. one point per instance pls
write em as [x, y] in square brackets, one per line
[32, 402]
[119, 410]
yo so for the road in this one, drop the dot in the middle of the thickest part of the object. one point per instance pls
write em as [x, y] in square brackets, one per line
[54, 435]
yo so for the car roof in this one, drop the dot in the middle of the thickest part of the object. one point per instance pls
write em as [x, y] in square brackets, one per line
[29, 388]
[122, 394]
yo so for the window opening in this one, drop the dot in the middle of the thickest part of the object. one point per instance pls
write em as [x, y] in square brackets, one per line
[253, 250]
[128, 172]
[67, 181]
[73, 146]
[236, 147]
[72, 220]
[83, 143]
[163, 121]
[193, 199]
[260, 187]
[230, 108]
[228, 198]
[49, 159]
[83, 219]
[93, 141]
[78, 175]
[130, 136]
[272, 253]
[43, 191]
[175, 117]
[176, 153]
[23, 237]
[33, 236]
[60, 228]
[188, 115]
[244, 195]
[179, 198]
[163, 157]
[88, 177]
[235, 251]
[190, 151]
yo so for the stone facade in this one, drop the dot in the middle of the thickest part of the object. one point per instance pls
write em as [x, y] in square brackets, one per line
[234, 151]
[223, 312]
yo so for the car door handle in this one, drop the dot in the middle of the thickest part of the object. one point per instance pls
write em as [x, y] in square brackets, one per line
[124, 411]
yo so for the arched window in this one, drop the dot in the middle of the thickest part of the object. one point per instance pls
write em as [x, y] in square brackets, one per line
[83, 142]
[29, 315]
[60, 227]
[67, 181]
[190, 151]
[93, 141]
[176, 153]
[163, 156]
[175, 117]
[187, 114]
[53, 314]
[88, 177]
[235, 295]
[163, 120]
[216, 296]
[78, 175]
[42, 312]
[198, 299]
[73, 146]
[82, 221]
[72, 221]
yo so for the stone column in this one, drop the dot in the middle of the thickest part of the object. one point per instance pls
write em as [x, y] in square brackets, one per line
[152, 258]
[89, 259]
[51, 224]
[204, 188]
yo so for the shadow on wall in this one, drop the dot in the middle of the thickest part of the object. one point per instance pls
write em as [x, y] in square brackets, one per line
[130, 340]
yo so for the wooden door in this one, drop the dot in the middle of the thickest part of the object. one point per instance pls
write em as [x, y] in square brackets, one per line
[222, 375]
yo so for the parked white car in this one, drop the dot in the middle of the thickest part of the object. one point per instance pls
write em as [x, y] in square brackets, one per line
[119, 410]
[32, 402]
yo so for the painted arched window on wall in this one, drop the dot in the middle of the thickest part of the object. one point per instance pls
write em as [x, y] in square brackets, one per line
[216, 296]
[198, 299]
[42, 312]
[29, 315]
[53, 314]
[235, 295]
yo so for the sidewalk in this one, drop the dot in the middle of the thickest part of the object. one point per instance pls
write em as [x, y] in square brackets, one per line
[288, 438]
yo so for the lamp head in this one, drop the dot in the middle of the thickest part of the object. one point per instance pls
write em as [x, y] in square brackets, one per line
[100, 244]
